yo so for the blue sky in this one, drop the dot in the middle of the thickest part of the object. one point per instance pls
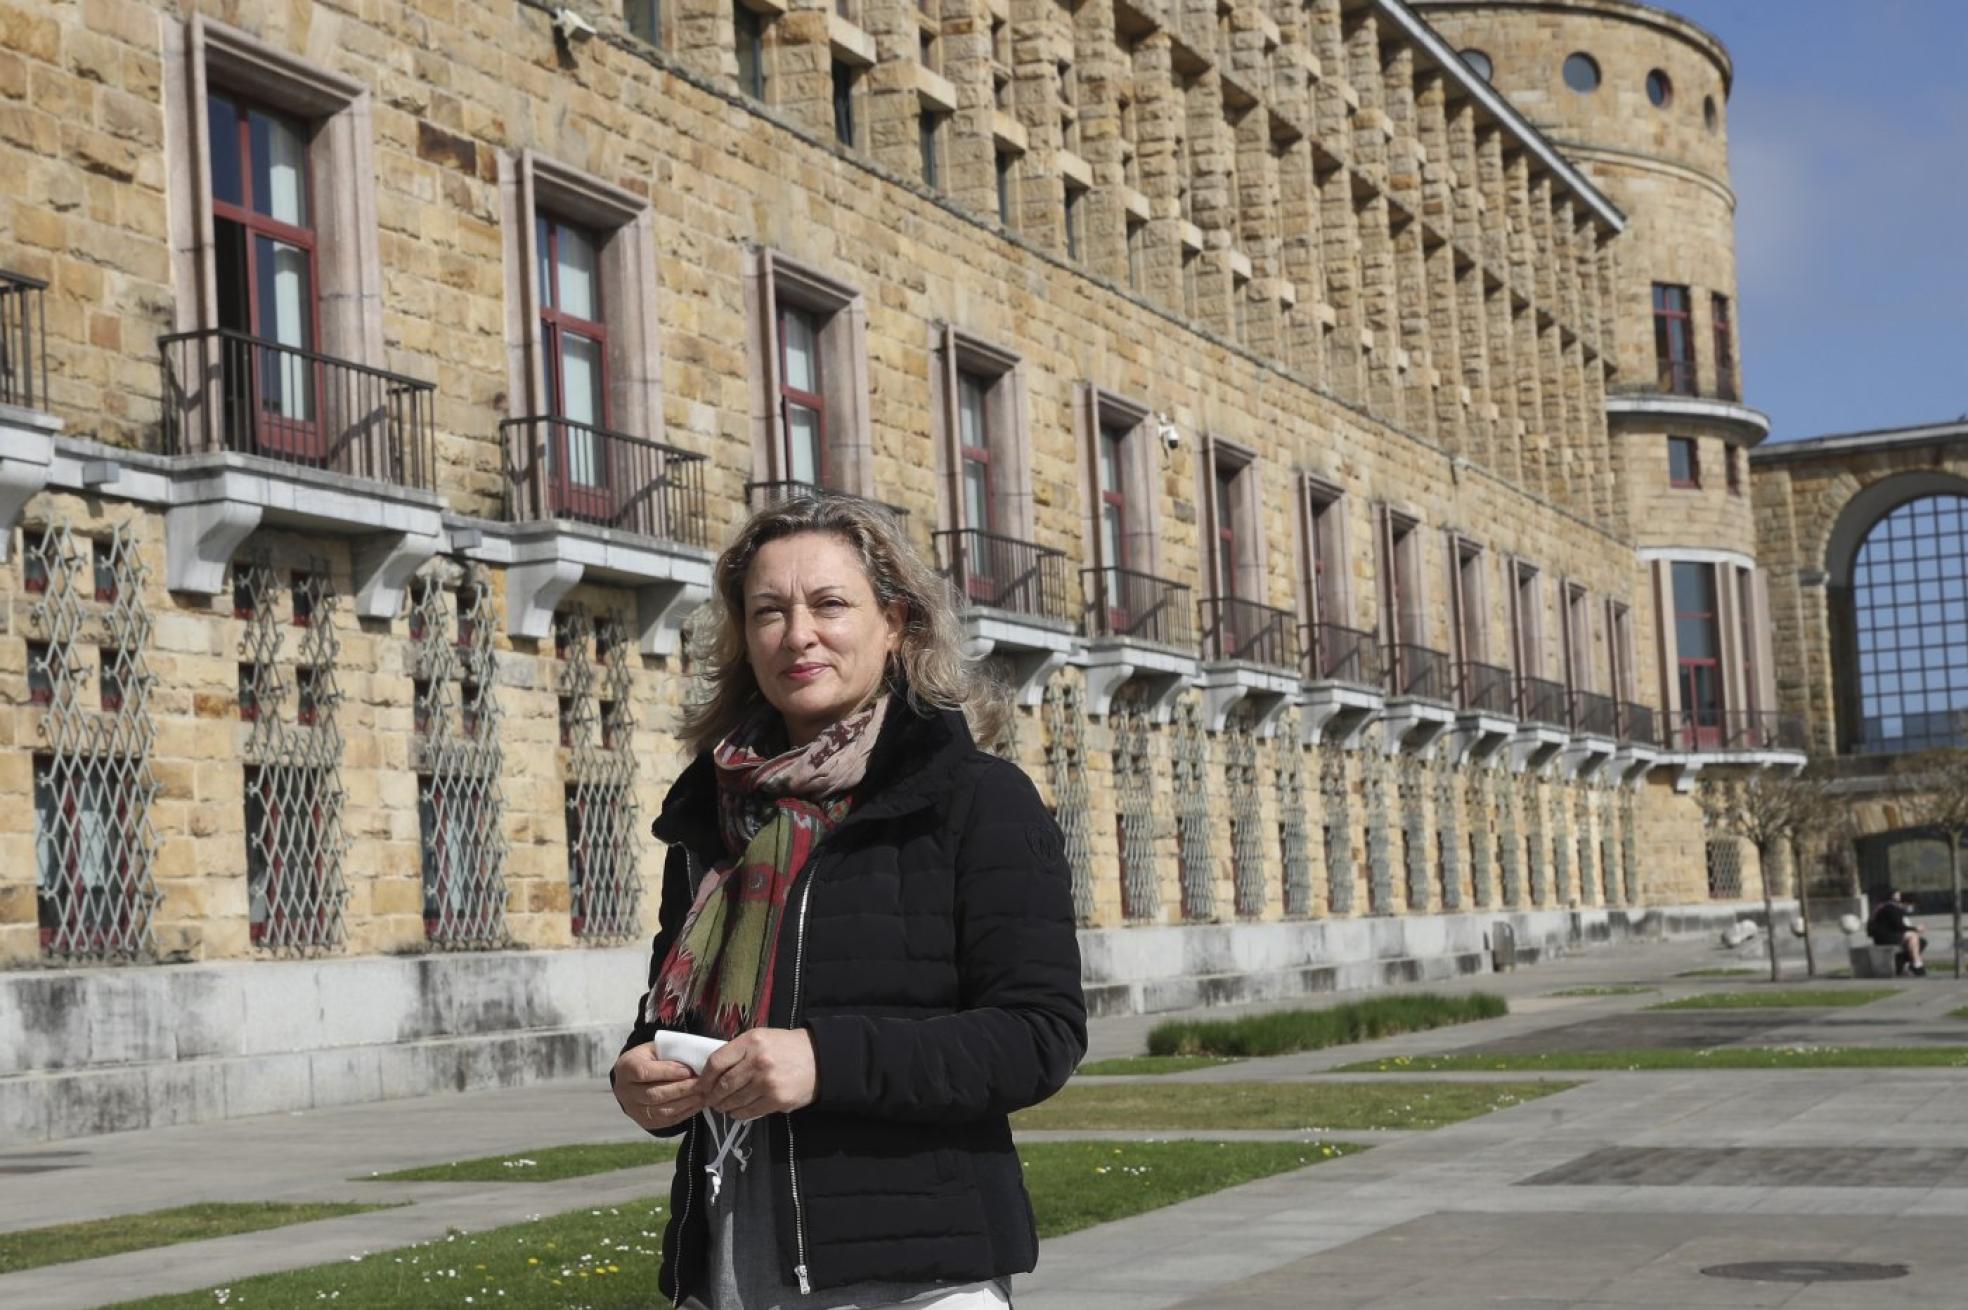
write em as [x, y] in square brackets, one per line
[1848, 137]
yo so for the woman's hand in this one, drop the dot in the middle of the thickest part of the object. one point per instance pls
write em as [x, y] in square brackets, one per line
[655, 1093]
[763, 1071]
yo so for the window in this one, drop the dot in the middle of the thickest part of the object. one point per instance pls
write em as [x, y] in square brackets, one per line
[1746, 618]
[974, 449]
[810, 411]
[1660, 90]
[1069, 114]
[748, 27]
[1224, 513]
[1400, 573]
[1698, 653]
[1470, 601]
[1619, 649]
[1710, 118]
[1325, 555]
[1527, 617]
[1123, 483]
[928, 126]
[1907, 687]
[1113, 452]
[87, 858]
[1137, 240]
[645, 20]
[1007, 164]
[264, 265]
[1683, 462]
[1732, 465]
[574, 355]
[1479, 64]
[1239, 308]
[843, 103]
[982, 455]
[1674, 342]
[1075, 210]
[1725, 348]
[1582, 73]
[1578, 639]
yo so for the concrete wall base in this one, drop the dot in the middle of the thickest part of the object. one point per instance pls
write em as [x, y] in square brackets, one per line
[90, 1051]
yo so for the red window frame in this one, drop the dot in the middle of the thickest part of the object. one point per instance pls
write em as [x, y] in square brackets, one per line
[1703, 715]
[588, 500]
[1693, 480]
[816, 401]
[1674, 342]
[1725, 346]
[1113, 500]
[304, 439]
[980, 568]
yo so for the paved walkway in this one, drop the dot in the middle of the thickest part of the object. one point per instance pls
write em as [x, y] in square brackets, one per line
[1617, 1193]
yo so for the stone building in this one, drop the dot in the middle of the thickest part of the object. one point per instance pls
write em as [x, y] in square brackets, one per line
[1271, 381]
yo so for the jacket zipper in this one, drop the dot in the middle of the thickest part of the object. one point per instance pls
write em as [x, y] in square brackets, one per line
[792, 1146]
[683, 1218]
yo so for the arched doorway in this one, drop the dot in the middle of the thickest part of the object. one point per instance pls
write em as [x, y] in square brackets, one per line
[1899, 604]
[1912, 860]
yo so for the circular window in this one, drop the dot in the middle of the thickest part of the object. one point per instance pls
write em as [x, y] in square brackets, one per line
[1708, 112]
[1479, 63]
[1659, 90]
[1582, 73]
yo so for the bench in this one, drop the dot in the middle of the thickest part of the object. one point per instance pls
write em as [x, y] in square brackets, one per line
[1871, 961]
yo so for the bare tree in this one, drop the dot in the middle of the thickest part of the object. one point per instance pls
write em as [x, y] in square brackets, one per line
[1933, 789]
[1763, 809]
[1822, 821]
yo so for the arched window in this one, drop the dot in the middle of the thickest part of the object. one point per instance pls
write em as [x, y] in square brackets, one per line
[1910, 627]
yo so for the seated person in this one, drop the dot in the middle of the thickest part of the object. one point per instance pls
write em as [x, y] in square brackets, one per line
[1892, 925]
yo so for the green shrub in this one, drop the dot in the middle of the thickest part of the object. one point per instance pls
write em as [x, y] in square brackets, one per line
[1286, 1031]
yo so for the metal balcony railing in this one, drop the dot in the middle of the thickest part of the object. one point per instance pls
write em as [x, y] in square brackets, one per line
[23, 341]
[1736, 730]
[1245, 630]
[1595, 715]
[1418, 671]
[1636, 724]
[1487, 689]
[1675, 377]
[1124, 603]
[1334, 653]
[559, 469]
[1540, 700]
[224, 390]
[1004, 573]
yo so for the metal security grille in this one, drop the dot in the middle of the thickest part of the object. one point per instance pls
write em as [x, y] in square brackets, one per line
[1724, 868]
[1414, 830]
[1539, 849]
[1482, 835]
[1246, 815]
[293, 795]
[1510, 848]
[1288, 775]
[604, 891]
[1134, 797]
[460, 807]
[1629, 848]
[93, 787]
[1064, 714]
[1336, 809]
[1448, 838]
[1192, 816]
[1380, 860]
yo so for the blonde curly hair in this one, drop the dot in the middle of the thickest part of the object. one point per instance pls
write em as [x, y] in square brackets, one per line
[928, 669]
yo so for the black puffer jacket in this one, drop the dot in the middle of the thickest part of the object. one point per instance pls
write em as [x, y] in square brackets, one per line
[928, 948]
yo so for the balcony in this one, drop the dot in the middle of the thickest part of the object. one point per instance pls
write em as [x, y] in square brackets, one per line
[1595, 725]
[1140, 628]
[1757, 739]
[585, 503]
[258, 432]
[1487, 695]
[27, 431]
[1017, 606]
[1344, 684]
[1639, 742]
[1421, 691]
[1544, 719]
[1251, 658]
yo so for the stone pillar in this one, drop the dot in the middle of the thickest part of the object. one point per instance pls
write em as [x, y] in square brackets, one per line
[1159, 114]
[1039, 45]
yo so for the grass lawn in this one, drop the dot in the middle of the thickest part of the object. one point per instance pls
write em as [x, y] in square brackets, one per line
[31, 1248]
[1153, 1064]
[1312, 1106]
[1772, 1000]
[1621, 990]
[543, 1166]
[606, 1259]
[1284, 1031]
[1720, 973]
[1728, 1057]
[1962, 1013]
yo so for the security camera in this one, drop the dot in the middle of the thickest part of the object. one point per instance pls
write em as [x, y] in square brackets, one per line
[570, 26]
[1171, 435]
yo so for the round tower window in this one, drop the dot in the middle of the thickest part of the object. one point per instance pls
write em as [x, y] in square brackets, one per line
[1659, 90]
[1582, 73]
[1479, 63]
[1708, 112]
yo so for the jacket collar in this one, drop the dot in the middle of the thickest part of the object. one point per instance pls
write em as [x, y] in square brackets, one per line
[911, 761]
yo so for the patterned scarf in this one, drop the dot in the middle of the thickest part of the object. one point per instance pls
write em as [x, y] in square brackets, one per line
[772, 809]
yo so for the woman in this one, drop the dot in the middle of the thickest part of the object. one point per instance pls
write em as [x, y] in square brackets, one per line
[876, 914]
